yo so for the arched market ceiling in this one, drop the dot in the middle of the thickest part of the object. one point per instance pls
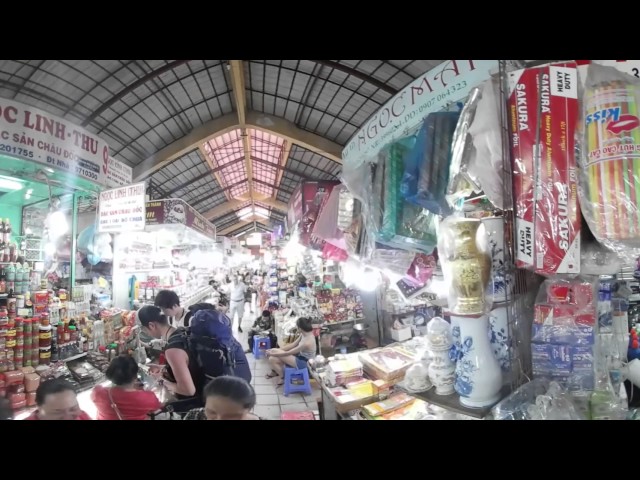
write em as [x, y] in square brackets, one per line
[233, 138]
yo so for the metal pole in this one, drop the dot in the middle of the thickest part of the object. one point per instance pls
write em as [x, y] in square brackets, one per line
[74, 243]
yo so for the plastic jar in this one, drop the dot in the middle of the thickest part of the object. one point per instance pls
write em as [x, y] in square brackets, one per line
[4, 321]
[62, 295]
[11, 305]
[44, 319]
[19, 324]
[27, 326]
[18, 357]
[45, 355]
[20, 340]
[20, 301]
[45, 336]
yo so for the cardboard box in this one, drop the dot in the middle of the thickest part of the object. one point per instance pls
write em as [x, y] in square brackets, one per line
[402, 334]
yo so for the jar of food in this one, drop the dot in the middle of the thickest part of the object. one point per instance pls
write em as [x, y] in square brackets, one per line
[62, 295]
[3, 285]
[20, 300]
[45, 355]
[4, 312]
[10, 353]
[20, 340]
[18, 357]
[44, 319]
[28, 340]
[27, 326]
[11, 273]
[11, 305]
[4, 321]
[35, 357]
[45, 336]
[11, 333]
[19, 324]
[27, 361]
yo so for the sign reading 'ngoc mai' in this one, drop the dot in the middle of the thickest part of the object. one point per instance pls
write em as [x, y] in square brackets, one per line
[449, 82]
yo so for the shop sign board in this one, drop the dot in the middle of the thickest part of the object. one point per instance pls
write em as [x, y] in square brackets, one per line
[118, 174]
[449, 82]
[174, 210]
[32, 134]
[122, 209]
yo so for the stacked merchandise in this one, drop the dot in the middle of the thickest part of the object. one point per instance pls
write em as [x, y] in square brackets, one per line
[388, 363]
[19, 386]
[341, 372]
[339, 305]
[563, 340]
[399, 406]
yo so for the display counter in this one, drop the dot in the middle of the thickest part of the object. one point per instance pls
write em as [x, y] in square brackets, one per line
[174, 252]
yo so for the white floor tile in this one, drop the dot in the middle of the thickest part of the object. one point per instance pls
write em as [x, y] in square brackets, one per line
[261, 380]
[265, 390]
[292, 398]
[296, 407]
[269, 412]
[267, 399]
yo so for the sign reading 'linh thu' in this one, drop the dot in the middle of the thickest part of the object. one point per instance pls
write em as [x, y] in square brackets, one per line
[32, 134]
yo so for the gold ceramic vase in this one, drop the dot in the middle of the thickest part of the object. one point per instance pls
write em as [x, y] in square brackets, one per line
[469, 267]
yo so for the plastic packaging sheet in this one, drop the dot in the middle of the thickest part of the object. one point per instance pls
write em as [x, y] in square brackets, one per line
[564, 332]
[610, 159]
[426, 167]
[390, 220]
[538, 400]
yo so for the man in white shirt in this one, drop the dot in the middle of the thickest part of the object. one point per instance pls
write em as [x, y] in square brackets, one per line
[236, 301]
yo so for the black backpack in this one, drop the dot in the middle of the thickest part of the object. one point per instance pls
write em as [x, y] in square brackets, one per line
[208, 358]
[193, 309]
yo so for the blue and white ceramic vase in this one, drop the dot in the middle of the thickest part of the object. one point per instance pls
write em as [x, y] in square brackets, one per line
[500, 336]
[478, 374]
[502, 281]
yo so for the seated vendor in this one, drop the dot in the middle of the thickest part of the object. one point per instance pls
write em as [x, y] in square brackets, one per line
[295, 355]
[57, 400]
[264, 325]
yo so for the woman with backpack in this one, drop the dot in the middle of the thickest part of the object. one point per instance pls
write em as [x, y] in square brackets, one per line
[197, 354]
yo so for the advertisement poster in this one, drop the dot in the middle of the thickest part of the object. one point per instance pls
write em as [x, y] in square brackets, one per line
[177, 211]
[122, 209]
[35, 135]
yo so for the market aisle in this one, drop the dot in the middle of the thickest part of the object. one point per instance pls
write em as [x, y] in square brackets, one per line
[271, 402]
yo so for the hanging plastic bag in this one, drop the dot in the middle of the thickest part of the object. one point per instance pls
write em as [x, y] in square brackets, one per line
[609, 166]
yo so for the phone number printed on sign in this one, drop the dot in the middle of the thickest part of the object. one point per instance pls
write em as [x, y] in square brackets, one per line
[122, 209]
[35, 135]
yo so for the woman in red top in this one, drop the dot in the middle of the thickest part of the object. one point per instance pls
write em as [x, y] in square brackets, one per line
[124, 400]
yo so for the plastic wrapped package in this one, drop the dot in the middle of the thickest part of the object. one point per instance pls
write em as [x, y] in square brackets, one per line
[426, 167]
[543, 108]
[486, 166]
[537, 400]
[461, 184]
[464, 253]
[610, 159]
[563, 333]
[346, 207]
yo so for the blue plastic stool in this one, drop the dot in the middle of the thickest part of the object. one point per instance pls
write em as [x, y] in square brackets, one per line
[296, 381]
[260, 345]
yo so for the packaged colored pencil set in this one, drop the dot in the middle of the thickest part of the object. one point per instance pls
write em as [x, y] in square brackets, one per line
[610, 158]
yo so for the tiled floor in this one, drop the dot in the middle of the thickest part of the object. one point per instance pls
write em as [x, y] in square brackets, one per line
[271, 401]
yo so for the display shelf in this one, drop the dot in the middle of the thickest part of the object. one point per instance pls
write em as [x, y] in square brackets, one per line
[75, 357]
[452, 402]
